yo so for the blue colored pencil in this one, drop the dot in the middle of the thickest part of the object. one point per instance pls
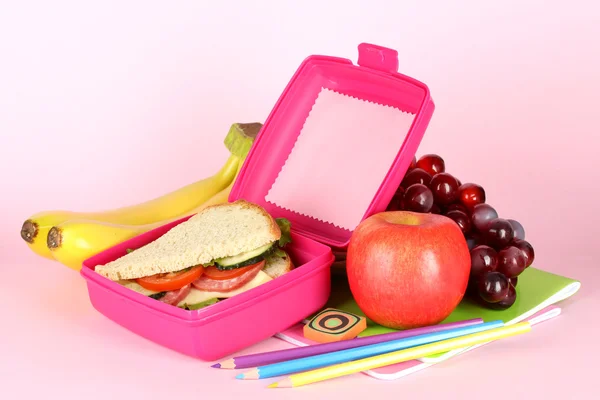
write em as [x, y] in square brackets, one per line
[276, 356]
[323, 360]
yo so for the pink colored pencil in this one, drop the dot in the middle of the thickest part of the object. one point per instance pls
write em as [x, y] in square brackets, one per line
[271, 357]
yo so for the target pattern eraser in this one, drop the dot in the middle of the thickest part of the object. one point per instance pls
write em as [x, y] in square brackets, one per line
[331, 325]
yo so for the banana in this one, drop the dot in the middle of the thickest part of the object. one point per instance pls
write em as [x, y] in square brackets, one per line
[222, 196]
[74, 241]
[35, 229]
[173, 205]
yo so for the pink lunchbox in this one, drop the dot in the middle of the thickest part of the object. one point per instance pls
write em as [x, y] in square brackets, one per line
[230, 325]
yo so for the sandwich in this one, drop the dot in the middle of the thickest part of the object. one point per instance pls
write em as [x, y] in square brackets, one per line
[221, 251]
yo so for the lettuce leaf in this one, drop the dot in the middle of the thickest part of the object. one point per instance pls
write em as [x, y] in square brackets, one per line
[278, 252]
[203, 304]
[285, 226]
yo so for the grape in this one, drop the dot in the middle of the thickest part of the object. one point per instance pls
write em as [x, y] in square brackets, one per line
[444, 187]
[418, 198]
[499, 233]
[417, 175]
[400, 191]
[456, 206]
[493, 286]
[431, 163]
[471, 194]
[527, 250]
[397, 201]
[471, 242]
[484, 259]
[511, 261]
[462, 220]
[518, 230]
[472, 287]
[507, 301]
[514, 281]
[435, 209]
[413, 163]
[481, 215]
[475, 238]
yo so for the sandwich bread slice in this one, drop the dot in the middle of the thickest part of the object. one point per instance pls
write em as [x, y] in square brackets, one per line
[223, 250]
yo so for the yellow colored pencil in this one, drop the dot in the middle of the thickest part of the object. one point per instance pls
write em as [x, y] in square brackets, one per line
[395, 357]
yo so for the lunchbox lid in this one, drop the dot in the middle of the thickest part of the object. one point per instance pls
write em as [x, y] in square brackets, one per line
[337, 143]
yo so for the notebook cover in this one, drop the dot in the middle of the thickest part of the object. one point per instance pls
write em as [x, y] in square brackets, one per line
[536, 291]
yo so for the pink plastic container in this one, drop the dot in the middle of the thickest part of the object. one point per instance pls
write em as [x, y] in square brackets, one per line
[245, 319]
[374, 79]
[224, 327]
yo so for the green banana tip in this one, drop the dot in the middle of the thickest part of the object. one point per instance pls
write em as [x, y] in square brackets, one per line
[241, 136]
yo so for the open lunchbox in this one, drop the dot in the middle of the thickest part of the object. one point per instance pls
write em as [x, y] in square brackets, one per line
[332, 152]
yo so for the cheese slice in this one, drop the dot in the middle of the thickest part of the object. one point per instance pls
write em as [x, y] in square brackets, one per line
[198, 296]
[133, 285]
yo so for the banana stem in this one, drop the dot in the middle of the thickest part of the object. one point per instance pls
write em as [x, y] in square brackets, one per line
[240, 137]
[29, 231]
[54, 238]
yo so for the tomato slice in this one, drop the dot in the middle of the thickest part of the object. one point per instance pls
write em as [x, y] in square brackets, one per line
[171, 280]
[213, 272]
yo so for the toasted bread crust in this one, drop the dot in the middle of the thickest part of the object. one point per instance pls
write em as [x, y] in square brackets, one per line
[277, 266]
[274, 229]
[181, 250]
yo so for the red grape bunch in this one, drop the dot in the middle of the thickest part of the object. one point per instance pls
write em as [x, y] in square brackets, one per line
[499, 251]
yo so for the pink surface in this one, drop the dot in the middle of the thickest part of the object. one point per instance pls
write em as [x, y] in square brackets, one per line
[111, 104]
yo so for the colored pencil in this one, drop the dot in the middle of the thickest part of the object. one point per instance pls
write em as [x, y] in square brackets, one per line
[323, 360]
[271, 357]
[349, 368]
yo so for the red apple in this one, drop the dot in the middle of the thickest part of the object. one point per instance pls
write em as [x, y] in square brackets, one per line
[408, 269]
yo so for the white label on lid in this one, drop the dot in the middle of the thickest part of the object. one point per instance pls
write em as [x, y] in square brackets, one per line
[342, 155]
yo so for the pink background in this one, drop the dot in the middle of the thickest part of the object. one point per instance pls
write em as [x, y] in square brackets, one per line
[115, 103]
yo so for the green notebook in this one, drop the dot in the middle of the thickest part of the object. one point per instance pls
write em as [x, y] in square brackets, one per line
[536, 290]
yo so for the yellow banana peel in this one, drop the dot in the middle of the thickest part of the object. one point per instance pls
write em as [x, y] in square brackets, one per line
[171, 206]
[74, 241]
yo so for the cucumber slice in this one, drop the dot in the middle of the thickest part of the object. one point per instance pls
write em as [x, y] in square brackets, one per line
[158, 295]
[200, 305]
[240, 265]
[244, 259]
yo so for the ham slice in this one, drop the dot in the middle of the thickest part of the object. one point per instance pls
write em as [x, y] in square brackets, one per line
[175, 296]
[214, 285]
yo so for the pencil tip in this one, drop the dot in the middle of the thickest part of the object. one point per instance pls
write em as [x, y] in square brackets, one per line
[217, 365]
[249, 375]
[227, 364]
[273, 385]
[284, 383]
